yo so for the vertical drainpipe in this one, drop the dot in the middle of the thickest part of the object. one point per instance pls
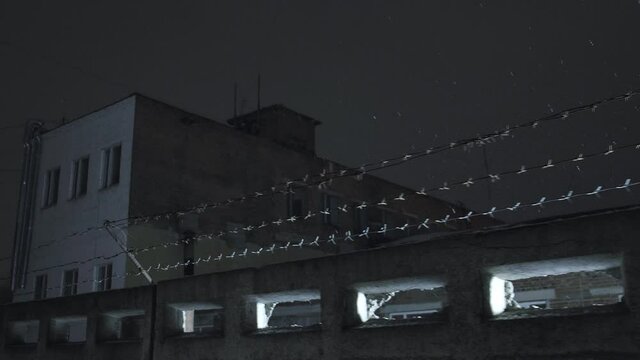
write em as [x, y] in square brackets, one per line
[26, 204]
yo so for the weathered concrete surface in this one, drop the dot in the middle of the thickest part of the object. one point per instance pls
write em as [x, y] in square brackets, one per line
[466, 332]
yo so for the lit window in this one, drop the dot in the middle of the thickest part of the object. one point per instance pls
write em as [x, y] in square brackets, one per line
[291, 310]
[382, 302]
[70, 282]
[102, 277]
[202, 318]
[79, 177]
[51, 183]
[562, 286]
[40, 287]
[111, 159]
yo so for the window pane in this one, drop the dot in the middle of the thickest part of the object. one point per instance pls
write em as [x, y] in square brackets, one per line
[116, 152]
[54, 186]
[104, 179]
[74, 179]
[83, 177]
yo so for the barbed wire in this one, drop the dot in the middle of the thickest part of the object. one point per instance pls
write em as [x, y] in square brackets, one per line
[360, 205]
[325, 176]
[350, 237]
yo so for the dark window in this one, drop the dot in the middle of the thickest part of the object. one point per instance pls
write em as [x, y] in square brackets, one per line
[51, 184]
[103, 274]
[295, 204]
[111, 160]
[41, 287]
[70, 282]
[79, 177]
[330, 203]
[188, 249]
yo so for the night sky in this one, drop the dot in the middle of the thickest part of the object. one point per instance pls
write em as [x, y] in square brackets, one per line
[384, 77]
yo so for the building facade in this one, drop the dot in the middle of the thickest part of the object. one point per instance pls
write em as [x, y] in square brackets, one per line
[140, 157]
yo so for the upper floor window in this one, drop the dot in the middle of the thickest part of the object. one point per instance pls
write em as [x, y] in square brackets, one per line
[51, 184]
[110, 174]
[79, 177]
[295, 203]
[40, 291]
[102, 277]
[330, 204]
[70, 282]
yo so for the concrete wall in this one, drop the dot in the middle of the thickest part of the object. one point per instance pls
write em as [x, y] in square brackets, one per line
[466, 330]
[60, 147]
[181, 160]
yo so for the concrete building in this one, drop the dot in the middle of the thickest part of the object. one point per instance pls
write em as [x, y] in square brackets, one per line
[139, 156]
[576, 282]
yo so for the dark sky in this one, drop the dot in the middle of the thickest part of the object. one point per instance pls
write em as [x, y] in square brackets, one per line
[385, 77]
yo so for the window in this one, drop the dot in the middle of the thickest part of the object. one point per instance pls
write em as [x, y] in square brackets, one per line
[293, 310]
[22, 332]
[330, 203]
[187, 253]
[51, 183]
[68, 329]
[410, 299]
[127, 324]
[79, 178]
[41, 287]
[295, 204]
[111, 158]
[198, 318]
[70, 282]
[102, 277]
[559, 286]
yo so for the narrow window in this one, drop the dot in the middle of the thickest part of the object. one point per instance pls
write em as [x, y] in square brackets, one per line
[116, 153]
[295, 204]
[104, 175]
[70, 282]
[51, 183]
[187, 252]
[330, 203]
[41, 287]
[79, 177]
[103, 274]
[111, 161]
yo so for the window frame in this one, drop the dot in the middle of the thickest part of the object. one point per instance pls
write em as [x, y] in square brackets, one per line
[40, 287]
[103, 282]
[111, 166]
[51, 188]
[79, 178]
[73, 285]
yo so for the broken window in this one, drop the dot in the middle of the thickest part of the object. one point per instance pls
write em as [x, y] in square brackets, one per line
[121, 325]
[382, 302]
[68, 329]
[22, 332]
[286, 310]
[552, 286]
[194, 318]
